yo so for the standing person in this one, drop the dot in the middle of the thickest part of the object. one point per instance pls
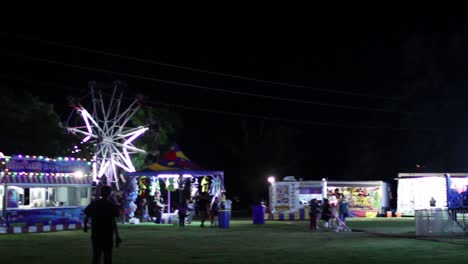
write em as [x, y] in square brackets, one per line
[334, 208]
[343, 209]
[313, 213]
[182, 211]
[326, 212]
[103, 226]
[202, 208]
[158, 207]
[191, 211]
[144, 210]
[214, 212]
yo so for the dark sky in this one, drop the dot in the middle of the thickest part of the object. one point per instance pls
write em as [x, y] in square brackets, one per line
[359, 97]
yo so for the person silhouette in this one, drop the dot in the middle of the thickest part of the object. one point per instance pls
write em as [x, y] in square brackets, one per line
[102, 212]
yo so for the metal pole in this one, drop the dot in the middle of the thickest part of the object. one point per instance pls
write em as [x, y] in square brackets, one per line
[168, 201]
[324, 188]
[181, 189]
[5, 197]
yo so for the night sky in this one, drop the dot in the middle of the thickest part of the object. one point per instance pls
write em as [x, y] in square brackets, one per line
[343, 98]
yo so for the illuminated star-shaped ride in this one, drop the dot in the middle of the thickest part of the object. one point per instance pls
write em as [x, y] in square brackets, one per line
[106, 129]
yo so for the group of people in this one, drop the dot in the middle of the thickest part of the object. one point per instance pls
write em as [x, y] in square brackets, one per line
[333, 211]
[104, 210]
[204, 208]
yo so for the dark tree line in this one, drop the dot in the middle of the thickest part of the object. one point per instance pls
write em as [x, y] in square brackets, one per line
[31, 126]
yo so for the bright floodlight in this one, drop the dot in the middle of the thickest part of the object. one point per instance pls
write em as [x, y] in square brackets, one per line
[78, 174]
[271, 179]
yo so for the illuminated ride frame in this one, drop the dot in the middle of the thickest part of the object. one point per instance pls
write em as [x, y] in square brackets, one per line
[107, 128]
[40, 194]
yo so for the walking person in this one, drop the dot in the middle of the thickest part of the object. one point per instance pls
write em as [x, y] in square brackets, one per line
[102, 212]
[343, 210]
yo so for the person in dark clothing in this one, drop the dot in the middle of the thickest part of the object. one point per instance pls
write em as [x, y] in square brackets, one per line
[313, 213]
[182, 211]
[326, 212]
[103, 226]
[202, 207]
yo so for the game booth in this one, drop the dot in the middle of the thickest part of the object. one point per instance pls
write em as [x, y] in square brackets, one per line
[416, 190]
[168, 182]
[438, 202]
[289, 198]
[41, 194]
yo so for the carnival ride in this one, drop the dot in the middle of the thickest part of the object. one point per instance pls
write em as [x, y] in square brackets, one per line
[106, 128]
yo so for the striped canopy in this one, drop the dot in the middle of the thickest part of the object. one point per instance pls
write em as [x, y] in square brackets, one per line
[175, 162]
[45, 180]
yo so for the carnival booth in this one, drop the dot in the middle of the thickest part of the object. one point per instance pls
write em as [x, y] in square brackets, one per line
[289, 199]
[43, 194]
[171, 180]
[418, 191]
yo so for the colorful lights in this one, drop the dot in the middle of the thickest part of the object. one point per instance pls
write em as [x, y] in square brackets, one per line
[33, 166]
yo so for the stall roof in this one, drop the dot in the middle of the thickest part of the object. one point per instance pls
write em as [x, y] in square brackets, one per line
[37, 180]
[353, 183]
[340, 183]
[422, 175]
[175, 162]
[195, 173]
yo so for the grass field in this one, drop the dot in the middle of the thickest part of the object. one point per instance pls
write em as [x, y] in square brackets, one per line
[377, 240]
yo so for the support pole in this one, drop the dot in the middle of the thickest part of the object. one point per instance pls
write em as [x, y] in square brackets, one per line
[168, 201]
[181, 189]
[5, 197]
[324, 188]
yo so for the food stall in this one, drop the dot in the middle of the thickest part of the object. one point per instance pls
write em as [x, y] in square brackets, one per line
[41, 194]
[289, 198]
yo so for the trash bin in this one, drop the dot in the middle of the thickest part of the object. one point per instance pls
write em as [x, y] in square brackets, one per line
[259, 214]
[224, 218]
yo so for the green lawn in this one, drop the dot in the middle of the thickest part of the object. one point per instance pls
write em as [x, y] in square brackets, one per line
[377, 240]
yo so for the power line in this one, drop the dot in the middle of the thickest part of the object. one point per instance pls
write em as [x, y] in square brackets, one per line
[236, 114]
[137, 59]
[305, 122]
[135, 76]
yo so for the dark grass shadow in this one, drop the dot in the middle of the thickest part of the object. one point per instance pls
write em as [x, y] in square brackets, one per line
[411, 235]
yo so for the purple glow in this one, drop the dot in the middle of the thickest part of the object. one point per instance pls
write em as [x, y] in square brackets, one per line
[168, 176]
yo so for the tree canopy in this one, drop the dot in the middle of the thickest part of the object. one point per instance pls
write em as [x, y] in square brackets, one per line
[31, 126]
[164, 125]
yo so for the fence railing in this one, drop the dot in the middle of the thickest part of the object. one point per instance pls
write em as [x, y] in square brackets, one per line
[442, 222]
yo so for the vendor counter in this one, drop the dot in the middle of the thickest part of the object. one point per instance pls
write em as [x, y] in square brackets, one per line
[24, 217]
